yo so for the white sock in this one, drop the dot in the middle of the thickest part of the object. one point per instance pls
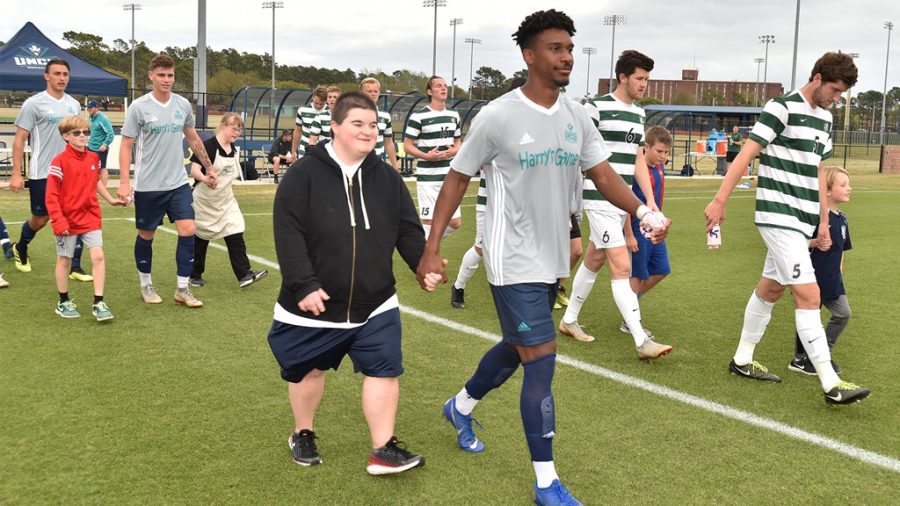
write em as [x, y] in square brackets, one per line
[145, 278]
[427, 230]
[464, 402]
[812, 336]
[467, 268]
[627, 302]
[448, 232]
[756, 317]
[545, 472]
[581, 288]
[183, 282]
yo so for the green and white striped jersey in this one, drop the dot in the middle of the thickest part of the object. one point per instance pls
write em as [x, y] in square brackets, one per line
[384, 132]
[305, 117]
[430, 130]
[321, 126]
[795, 137]
[622, 127]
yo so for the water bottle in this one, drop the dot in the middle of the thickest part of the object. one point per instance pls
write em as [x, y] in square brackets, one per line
[714, 237]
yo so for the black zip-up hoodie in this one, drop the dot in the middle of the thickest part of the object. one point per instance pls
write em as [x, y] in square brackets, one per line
[319, 245]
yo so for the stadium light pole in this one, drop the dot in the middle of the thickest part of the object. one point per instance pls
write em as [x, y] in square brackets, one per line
[453, 23]
[588, 51]
[613, 20]
[796, 40]
[847, 106]
[132, 8]
[273, 6]
[435, 4]
[766, 39]
[472, 43]
[758, 61]
[889, 26]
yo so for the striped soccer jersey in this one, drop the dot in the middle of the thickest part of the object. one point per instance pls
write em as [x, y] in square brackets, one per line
[321, 126]
[305, 117]
[384, 132]
[795, 137]
[430, 130]
[622, 127]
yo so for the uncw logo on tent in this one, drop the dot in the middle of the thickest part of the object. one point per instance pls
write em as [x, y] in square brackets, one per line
[33, 56]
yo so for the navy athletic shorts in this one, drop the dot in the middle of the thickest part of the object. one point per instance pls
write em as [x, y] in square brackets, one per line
[373, 347]
[650, 259]
[37, 191]
[150, 207]
[524, 312]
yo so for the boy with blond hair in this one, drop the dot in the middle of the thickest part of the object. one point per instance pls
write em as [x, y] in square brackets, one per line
[73, 182]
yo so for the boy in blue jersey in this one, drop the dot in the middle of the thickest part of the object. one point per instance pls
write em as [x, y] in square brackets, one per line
[530, 141]
[829, 266]
[155, 124]
[649, 262]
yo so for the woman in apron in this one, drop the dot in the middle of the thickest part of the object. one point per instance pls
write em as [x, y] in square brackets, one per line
[217, 213]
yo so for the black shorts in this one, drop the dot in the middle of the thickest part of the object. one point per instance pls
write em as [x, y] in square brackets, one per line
[373, 347]
[102, 155]
[524, 312]
[150, 207]
[575, 230]
[730, 156]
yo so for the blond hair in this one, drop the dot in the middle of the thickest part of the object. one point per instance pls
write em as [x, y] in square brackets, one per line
[369, 80]
[70, 123]
[831, 173]
[231, 119]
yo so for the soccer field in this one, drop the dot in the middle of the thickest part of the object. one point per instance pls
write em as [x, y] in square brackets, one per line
[166, 404]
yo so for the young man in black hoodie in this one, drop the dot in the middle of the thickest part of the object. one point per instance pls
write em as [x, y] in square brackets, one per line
[337, 218]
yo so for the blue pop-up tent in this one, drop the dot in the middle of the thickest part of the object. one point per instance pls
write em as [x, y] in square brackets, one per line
[23, 58]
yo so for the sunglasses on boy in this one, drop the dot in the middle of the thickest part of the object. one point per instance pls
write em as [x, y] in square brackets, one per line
[78, 133]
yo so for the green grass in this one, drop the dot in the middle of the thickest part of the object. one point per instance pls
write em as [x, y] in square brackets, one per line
[170, 405]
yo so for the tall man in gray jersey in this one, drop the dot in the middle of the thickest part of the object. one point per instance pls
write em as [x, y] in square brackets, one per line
[155, 124]
[38, 120]
[533, 144]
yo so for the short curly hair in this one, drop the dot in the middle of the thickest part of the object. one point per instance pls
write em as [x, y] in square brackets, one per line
[539, 21]
[631, 60]
[836, 67]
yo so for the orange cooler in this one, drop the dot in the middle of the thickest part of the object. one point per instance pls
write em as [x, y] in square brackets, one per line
[721, 147]
[701, 147]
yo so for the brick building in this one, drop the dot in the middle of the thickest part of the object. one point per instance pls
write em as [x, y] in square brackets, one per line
[696, 91]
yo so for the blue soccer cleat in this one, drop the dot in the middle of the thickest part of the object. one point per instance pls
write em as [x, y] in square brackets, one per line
[465, 436]
[555, 494]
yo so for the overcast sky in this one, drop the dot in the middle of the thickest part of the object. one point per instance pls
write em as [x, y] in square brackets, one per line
[718, 37]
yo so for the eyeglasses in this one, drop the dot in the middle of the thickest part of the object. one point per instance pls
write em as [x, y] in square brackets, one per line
[78, 133]
[236, 128]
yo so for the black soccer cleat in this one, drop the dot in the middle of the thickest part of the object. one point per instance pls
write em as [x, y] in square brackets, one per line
[458, 297]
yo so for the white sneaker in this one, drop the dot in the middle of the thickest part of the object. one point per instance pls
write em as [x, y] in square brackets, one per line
[149, 295]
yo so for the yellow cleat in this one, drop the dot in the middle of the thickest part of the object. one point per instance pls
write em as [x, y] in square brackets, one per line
[20, 265]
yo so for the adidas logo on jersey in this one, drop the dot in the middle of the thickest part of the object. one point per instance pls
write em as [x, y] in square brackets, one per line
[526, 139]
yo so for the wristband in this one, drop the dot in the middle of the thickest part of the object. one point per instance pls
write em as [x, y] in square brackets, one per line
[641, 211]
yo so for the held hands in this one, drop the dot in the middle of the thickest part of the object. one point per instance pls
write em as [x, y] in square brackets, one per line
[124, 193]
[314, 302]
[430, 271]
[16, 183]
[823, 238]
[655, 226]
[211, 179]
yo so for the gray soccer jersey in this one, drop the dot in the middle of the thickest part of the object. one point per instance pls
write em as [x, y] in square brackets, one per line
[40, 115]
[531, 157]
[157, 130]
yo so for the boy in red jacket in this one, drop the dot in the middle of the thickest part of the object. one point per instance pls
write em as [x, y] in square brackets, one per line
[72, 186]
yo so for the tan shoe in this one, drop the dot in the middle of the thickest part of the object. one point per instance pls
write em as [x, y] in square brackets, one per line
[651, 350]
[184, 296]
[574, 330]
[149, 295]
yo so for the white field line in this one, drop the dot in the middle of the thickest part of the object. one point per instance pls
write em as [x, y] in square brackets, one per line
[851, 451]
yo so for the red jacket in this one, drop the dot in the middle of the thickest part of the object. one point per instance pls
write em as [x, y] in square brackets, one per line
[72, 192]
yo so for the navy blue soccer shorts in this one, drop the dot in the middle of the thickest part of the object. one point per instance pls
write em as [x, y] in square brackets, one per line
[373, 347]
[650, 259]
[37, 192]
[151, 207]
[524, 312]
